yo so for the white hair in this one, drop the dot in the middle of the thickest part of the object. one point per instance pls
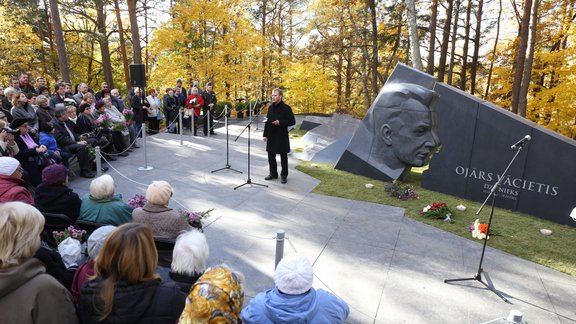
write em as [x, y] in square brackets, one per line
[190, 253]
[102, 187]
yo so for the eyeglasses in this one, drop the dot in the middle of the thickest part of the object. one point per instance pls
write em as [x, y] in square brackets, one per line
[20, 169]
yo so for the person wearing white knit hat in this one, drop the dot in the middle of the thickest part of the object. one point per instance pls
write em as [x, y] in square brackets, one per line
[164, 221]
[294, 300]
[12, 187]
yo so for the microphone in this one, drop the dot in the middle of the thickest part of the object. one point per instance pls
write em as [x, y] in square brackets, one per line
[239, 99]
[521, 142]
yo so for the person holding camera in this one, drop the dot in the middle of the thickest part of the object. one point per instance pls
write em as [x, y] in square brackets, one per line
[8, 146]
[193, 103]
[208, 109]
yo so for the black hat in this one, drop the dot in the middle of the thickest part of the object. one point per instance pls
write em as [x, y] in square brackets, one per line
[46, 127]
[18, 122]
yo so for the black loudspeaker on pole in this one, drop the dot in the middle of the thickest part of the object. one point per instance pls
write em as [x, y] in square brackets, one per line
[138, 75]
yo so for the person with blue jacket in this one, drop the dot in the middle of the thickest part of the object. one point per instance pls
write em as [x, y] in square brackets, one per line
[102, 205]
[293, 300]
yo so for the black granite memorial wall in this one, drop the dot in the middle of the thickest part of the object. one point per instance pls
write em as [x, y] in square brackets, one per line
[476, 147]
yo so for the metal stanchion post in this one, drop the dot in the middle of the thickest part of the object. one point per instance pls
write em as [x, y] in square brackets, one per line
[146, 167]
[180, 126]
[193, 127]
[279, 246]
[98, 157]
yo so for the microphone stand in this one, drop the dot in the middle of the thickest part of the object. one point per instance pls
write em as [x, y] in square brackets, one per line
[227, 167]
[493, 194]
[248, 180]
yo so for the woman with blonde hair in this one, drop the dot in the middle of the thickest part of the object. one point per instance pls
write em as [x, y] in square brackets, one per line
[22, 109]
[27, 293]
[125, 287]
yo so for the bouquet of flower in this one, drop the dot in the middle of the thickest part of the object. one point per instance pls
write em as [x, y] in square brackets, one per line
[118, 127]
[128, 114]
[137, 201]
[71, 231]
[195, 218]
[402, 192]
[103, 121]
[479, 230]
[436, 210]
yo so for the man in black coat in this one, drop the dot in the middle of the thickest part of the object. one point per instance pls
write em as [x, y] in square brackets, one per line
[70, 142]
[209, 103]
[278, 119]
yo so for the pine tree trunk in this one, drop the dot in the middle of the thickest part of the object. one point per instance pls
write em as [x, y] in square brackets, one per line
[445, 41]
[465, 47]
[60, 45]
[374, 62]
[136, 48]
[103, 41]
[494, 51]
[125, 63]
[432, 45]
[413, 33]
[522, 100]
[521, 55]
[454, 39]
[474, 67]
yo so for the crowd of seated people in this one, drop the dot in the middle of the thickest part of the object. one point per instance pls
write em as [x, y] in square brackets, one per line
[115, 277]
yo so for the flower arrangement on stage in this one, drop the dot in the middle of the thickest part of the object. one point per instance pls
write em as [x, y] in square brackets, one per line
[71, 231]
[103, 121]
[128, 114]
[437, 210]
[479, 230]
[195, 218]
[400, 191]
[137, 201]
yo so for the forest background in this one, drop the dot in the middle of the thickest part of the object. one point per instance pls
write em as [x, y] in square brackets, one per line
[329, 55]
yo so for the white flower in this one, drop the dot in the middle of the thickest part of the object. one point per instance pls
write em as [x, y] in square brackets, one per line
[461, 207]
[427, 208]
[369, 186]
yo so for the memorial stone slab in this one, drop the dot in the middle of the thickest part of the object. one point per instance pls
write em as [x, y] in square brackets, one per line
[476, 148]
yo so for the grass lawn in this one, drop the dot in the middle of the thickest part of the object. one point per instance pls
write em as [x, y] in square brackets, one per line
[516, 233]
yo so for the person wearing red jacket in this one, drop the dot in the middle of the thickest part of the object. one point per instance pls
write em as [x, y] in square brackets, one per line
[11, 183]
[193, 104]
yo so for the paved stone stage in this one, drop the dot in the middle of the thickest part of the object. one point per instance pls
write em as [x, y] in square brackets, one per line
[389, 268]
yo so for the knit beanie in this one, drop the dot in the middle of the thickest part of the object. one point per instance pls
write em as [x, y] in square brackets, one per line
[99, 104]
[294, 275]
[54, 174]
[96, 240]
[159, 193]
[8, 165]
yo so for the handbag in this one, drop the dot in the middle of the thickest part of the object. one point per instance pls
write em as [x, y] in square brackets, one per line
[43, 160]
[159, 117]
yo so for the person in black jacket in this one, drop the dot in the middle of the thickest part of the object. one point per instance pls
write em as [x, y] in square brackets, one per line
[208, 109]
[140, 108]
[278, 119]
[70, 142]
[28, 151]
[53, 194]
[127, 288]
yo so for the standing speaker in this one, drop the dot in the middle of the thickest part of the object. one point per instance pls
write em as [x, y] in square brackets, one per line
[138, 75]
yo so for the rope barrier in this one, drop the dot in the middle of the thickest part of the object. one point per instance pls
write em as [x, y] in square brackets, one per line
[127, 148]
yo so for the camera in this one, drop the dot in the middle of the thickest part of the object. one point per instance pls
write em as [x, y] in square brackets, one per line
[10, 130]
[193, 101]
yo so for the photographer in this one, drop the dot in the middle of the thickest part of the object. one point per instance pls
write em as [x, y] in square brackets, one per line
[8, 146]
[193, 103]
[209, 103]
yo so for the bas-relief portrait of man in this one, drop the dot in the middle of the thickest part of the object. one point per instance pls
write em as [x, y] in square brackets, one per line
[398, 132]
